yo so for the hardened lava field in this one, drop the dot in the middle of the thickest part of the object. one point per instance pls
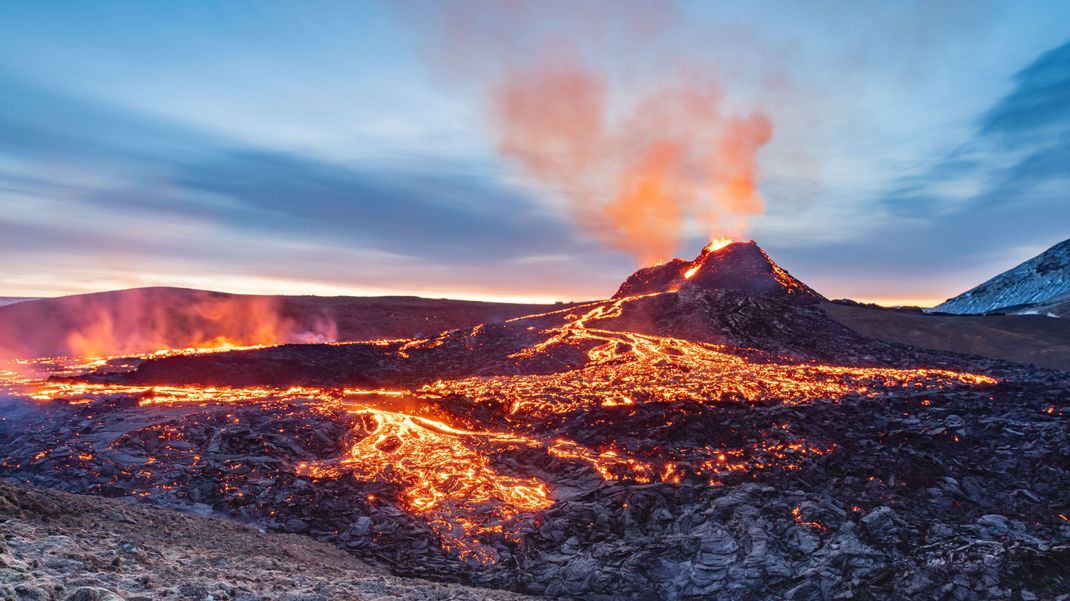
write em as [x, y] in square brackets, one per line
[652, 445]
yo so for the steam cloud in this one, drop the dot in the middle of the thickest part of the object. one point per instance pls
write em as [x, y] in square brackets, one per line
[636, 151]
[149, 319]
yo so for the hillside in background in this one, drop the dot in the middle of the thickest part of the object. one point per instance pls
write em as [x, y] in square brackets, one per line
[1040, 285]
[10, 300]
[147, 319]
[1036, 339]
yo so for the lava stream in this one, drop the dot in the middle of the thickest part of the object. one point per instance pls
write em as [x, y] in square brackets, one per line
[452, 476]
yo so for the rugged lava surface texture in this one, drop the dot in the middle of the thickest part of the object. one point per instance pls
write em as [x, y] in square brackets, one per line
[57, 545]
[740, 266]
[723, 439]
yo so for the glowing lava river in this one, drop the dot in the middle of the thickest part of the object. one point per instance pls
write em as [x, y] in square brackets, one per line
[688, 443]
[449, 471]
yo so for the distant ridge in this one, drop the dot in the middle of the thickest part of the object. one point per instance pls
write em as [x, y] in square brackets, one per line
[11, 300]
[1039, 285]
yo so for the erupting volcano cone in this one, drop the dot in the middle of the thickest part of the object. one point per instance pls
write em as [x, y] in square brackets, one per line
[739, 266]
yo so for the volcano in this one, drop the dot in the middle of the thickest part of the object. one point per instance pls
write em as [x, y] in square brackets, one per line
[708, 432]
[737, 266]
[733, 295]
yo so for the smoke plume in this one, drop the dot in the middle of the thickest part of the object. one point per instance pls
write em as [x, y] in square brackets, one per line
[598, 106]
[148, 319]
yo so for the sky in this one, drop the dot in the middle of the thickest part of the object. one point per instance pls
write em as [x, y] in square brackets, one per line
[890, 152]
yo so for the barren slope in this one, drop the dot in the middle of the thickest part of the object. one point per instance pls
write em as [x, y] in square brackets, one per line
[62, 546]
[1037, 339]
[1039, 280]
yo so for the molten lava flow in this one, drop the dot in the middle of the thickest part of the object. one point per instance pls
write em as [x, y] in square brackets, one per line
[447, 477]
[623, 366]
[715, 245]
[796, 514]
[477, 484]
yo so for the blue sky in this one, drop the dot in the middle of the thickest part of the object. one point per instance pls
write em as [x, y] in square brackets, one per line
[321, 147]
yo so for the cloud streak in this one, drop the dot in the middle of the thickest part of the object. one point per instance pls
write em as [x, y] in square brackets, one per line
[997, 199]
[126, 185]
[603, 109]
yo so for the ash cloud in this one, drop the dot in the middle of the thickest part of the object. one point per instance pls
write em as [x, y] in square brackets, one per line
[603, 110]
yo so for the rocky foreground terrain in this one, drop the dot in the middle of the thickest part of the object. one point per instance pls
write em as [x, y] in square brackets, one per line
[55, 545]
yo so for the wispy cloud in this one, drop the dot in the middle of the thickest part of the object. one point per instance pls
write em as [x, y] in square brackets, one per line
[997, 198]
[78, 179]
[917, 150]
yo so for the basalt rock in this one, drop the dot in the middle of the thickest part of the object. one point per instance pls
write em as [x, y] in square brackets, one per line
[737, 267]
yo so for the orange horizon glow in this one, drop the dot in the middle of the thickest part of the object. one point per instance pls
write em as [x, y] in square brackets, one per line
[924, 303]
[259, 286]
[48, 287]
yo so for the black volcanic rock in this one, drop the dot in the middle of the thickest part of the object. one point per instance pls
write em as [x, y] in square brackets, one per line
[739, 266]
[768, 483]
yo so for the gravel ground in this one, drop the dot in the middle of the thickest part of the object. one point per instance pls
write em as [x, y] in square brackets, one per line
[59, 546]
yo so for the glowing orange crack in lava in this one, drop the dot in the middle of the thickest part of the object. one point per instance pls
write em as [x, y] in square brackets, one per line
[623, 365]
[447, 474]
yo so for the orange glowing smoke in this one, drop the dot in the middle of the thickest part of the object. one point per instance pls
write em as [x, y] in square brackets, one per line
[148, 319]
[637, 152]
[634, 183]
[209, 324]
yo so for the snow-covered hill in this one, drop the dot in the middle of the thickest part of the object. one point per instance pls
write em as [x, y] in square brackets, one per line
[1028, 288]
